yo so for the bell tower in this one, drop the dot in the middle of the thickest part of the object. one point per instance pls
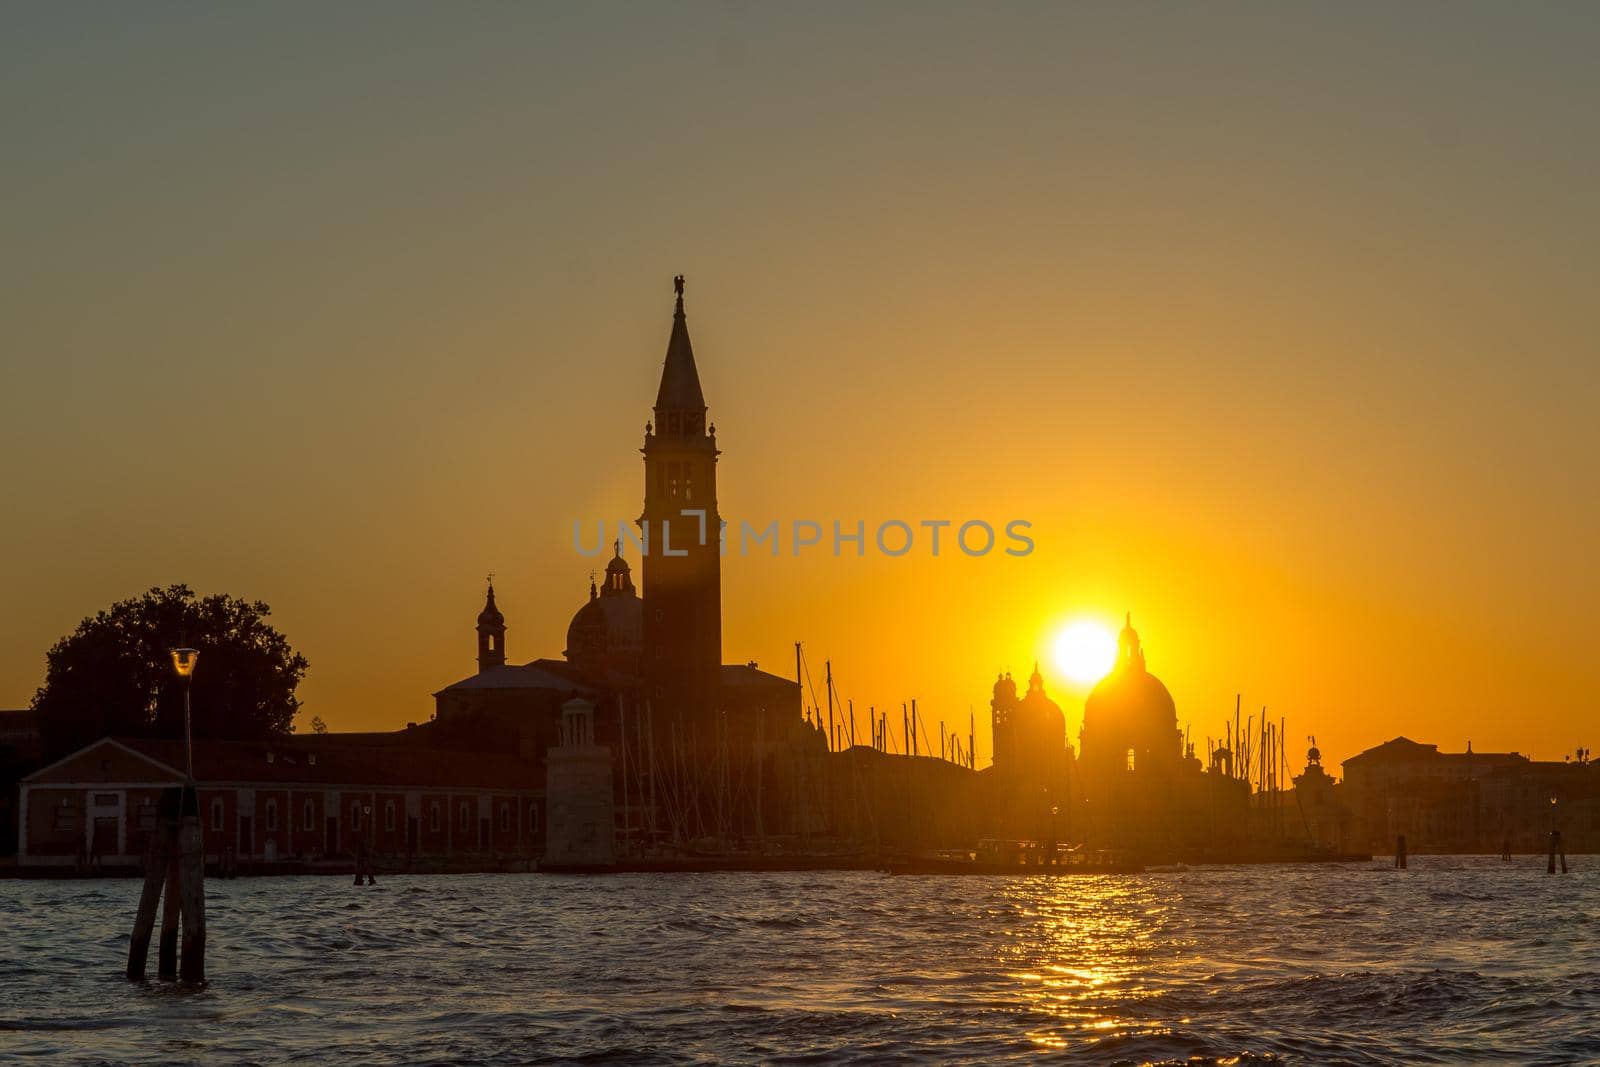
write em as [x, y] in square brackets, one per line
[491, 634]
[682, 530]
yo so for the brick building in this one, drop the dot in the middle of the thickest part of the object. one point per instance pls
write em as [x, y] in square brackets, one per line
[300, 799]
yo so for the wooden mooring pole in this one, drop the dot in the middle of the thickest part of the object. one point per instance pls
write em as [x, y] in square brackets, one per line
[1400, 852]
[1557, 849]
[175, 861]
[192, 847]
[155, 873]
[171, 912]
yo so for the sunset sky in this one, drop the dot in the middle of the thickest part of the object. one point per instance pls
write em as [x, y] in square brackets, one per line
[1277, 323]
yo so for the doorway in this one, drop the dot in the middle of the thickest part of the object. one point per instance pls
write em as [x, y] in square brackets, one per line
[104, 842]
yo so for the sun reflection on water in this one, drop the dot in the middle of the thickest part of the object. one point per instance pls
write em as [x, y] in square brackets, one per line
[1079, 963]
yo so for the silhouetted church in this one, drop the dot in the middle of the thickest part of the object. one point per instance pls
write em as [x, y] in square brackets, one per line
[651, 666]
[1142, 784]
[1030, 788]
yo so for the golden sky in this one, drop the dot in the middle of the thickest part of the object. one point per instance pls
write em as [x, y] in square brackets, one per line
[1277, 323]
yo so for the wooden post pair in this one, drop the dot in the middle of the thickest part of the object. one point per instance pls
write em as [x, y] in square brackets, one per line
[175, 859]
[1556, 849]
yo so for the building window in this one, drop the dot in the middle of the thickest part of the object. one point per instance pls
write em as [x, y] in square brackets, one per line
[355, 815]
[505, 817]
[466, 818]
[272, 815]
[105, 800]
[216, 814]
[533, 818]
[433, 817]
[1131, 758]
[388, 815]
[308, 820]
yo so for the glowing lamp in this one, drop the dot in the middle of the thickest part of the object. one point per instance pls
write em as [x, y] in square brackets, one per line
[183, 661]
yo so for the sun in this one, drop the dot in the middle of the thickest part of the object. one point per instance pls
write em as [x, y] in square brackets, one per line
[1085, 651]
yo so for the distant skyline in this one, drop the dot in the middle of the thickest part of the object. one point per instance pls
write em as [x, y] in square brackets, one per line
[1275, 321]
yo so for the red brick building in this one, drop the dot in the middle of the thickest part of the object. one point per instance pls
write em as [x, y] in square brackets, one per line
[293, 799]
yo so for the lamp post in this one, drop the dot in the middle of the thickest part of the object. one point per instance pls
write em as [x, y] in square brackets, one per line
[364, 857]
[183, 661]
[187, 873]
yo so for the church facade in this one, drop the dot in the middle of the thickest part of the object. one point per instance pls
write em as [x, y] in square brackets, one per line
[686, 732]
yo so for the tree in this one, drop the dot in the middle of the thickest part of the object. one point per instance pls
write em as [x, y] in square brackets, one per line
[317, 725]
[113, 674]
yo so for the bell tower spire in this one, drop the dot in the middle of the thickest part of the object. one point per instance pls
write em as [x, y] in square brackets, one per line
[680, 405]
[491, 633]
[682, 531]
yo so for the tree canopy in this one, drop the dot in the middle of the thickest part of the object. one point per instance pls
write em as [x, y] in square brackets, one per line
[113, 674]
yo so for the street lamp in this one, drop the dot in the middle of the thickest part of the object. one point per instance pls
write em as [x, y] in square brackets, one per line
[183, 661]
[364, 849]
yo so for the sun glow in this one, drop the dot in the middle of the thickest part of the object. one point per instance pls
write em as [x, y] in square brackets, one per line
[1085, 651]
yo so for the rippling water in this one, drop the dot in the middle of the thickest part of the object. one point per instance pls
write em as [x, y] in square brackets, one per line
[1452, 961]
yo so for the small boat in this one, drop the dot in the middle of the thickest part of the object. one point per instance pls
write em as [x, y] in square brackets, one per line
[1017, 857]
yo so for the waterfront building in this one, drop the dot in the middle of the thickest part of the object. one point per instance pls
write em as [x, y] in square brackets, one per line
[1470, 801]
[301, 799]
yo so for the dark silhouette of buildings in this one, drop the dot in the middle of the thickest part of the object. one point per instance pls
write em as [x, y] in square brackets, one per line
[1469, 801]
[1029, 791]
[303, 799]
[699, 748]
[1142, 785]
[638, 739]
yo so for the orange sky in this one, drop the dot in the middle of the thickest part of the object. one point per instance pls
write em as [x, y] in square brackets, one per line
[1276, 325]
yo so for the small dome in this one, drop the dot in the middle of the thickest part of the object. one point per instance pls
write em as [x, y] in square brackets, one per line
[619, 577]
[1315, 755]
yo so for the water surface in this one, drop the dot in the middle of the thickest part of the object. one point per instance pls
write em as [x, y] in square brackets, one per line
[1455, 960]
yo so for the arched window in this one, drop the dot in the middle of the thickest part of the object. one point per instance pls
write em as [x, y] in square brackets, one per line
[433, 816]
[1131, 757]
[272, 815]
[308, 817]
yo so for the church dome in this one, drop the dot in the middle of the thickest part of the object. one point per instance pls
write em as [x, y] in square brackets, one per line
[606, 626]
[1044, 715]
[607, 633]
[1134, 696]
[1130, 710]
